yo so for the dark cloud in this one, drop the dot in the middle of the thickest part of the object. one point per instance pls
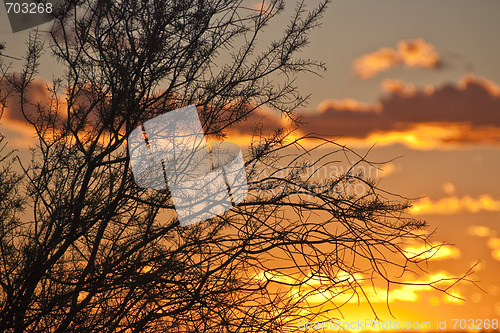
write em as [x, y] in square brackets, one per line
[258, 122]
[473, 104]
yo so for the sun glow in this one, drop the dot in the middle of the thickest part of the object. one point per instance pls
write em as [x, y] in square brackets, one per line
[454, 205]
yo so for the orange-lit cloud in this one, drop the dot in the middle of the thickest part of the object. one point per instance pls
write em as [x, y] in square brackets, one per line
[272, 276]
[325, 291]
[388, 169]
[397, 86]
[434, 252]
[494, 245]
[419, 136]
[426, 117]
[37, 93]
[259, 122]
[481, 231]
[18, 135]
[453, 297]
[493, 242]
[410, 291]
[454, 205]
[411, 53]
[359, 296]
[418, 53]
[468, 104]
[468, 79]
[371, 64]
[401, 88]
[348, 104]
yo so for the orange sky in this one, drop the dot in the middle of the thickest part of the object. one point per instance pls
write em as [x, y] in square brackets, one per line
[420, 80]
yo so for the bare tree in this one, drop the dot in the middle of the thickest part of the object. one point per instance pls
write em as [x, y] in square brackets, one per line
[95, 253]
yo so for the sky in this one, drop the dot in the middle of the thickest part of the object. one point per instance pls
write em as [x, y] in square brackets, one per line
[420, 80]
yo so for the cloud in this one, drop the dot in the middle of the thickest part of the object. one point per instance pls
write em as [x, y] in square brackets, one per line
[494, 245]
[434, 252]
[468, 112]
[409, 291]
[496, 254]
[257, 122]
[469, 103]
[273, 276]
[481, 231]
[490, 86]
[454, 297]
[18, 135]
[388, 169]
[410, 53]
[41, 104]
[401, 88]
[493, 242]
[371, 64]
[452, 115]
[36, 93]
[454, 205]
[418, 53]
[429, 117]
[348, 104]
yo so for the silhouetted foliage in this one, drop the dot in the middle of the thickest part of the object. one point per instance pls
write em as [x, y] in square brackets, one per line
[83, 249]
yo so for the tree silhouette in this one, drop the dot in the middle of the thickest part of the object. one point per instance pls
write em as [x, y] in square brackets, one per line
[83, 249]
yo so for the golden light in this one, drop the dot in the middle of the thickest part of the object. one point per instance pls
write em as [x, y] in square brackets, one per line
[433, 252]
[490, 86]
[370, 64]
[418, 53]
[480, 231]
[453, 205]
[454, 297]
[349, 104]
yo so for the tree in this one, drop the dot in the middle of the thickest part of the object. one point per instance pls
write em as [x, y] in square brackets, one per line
[84, 249]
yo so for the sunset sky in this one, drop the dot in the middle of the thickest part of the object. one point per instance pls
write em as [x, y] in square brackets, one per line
[421, 81]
